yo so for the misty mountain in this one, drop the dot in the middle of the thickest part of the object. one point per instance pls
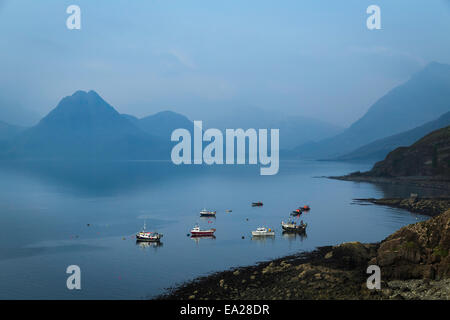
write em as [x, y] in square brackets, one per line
[131, 118]
[84, 126]
[378, 149]
[421, 99]
[162, 124]
[8, 131]
[294, 130]
[15, 114]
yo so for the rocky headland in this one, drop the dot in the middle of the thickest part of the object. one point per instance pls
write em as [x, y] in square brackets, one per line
[426, 163]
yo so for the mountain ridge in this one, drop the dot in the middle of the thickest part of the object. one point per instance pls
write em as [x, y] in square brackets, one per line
[378, 149]
[84, 126]
[424, 97]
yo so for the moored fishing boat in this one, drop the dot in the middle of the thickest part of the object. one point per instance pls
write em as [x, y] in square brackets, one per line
[292, 226]
[262, 232]
[148, 236]
[207, 213]
[197, 232]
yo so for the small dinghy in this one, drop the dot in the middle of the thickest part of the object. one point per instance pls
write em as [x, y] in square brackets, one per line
[197, 232]
[257, 204]
[292, 226]
[263, 232]
[296, 212]
[148, 236]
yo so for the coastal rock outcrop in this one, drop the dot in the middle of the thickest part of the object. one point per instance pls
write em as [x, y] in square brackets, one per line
[417, 251]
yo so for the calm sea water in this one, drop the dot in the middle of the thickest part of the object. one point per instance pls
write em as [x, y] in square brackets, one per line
[53, 215]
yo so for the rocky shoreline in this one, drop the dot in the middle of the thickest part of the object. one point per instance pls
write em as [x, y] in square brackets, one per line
[430, 206]
[414, 262]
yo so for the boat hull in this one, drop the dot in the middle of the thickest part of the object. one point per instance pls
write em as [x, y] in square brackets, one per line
[148, 239]
[203, 233]
[298, 229]
[263, 234]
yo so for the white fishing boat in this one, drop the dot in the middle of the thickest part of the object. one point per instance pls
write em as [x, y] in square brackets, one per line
[263, 232]
[148, 236]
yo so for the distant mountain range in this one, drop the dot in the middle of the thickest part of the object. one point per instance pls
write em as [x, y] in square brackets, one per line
[162, 123]
[84, 126]
[294, 129]
[14, 113]
[7, 131]
[423, 98]
[378, 149]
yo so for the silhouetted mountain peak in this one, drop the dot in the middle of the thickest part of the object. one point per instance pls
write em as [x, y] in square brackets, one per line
[85, 126]
[81, 98]
[82, 105]
[87, 114]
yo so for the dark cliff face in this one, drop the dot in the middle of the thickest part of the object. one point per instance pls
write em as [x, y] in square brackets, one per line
[419, 250]
[430, 156]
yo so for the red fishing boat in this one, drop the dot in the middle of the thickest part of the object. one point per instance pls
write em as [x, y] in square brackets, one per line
[197, 232]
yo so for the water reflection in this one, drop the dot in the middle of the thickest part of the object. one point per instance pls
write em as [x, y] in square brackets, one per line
[294, 236]
[146, 244]
[208, 219]
[197, 238]
[263, 239]
[106, 178]
[389, 190]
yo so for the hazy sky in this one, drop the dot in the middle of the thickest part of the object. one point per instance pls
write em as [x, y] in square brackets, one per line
[314, 58]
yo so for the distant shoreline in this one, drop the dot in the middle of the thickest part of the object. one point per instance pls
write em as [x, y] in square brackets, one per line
[429, 206]
[423, 182]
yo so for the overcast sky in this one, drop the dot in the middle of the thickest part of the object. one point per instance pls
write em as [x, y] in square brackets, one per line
[314, 58]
